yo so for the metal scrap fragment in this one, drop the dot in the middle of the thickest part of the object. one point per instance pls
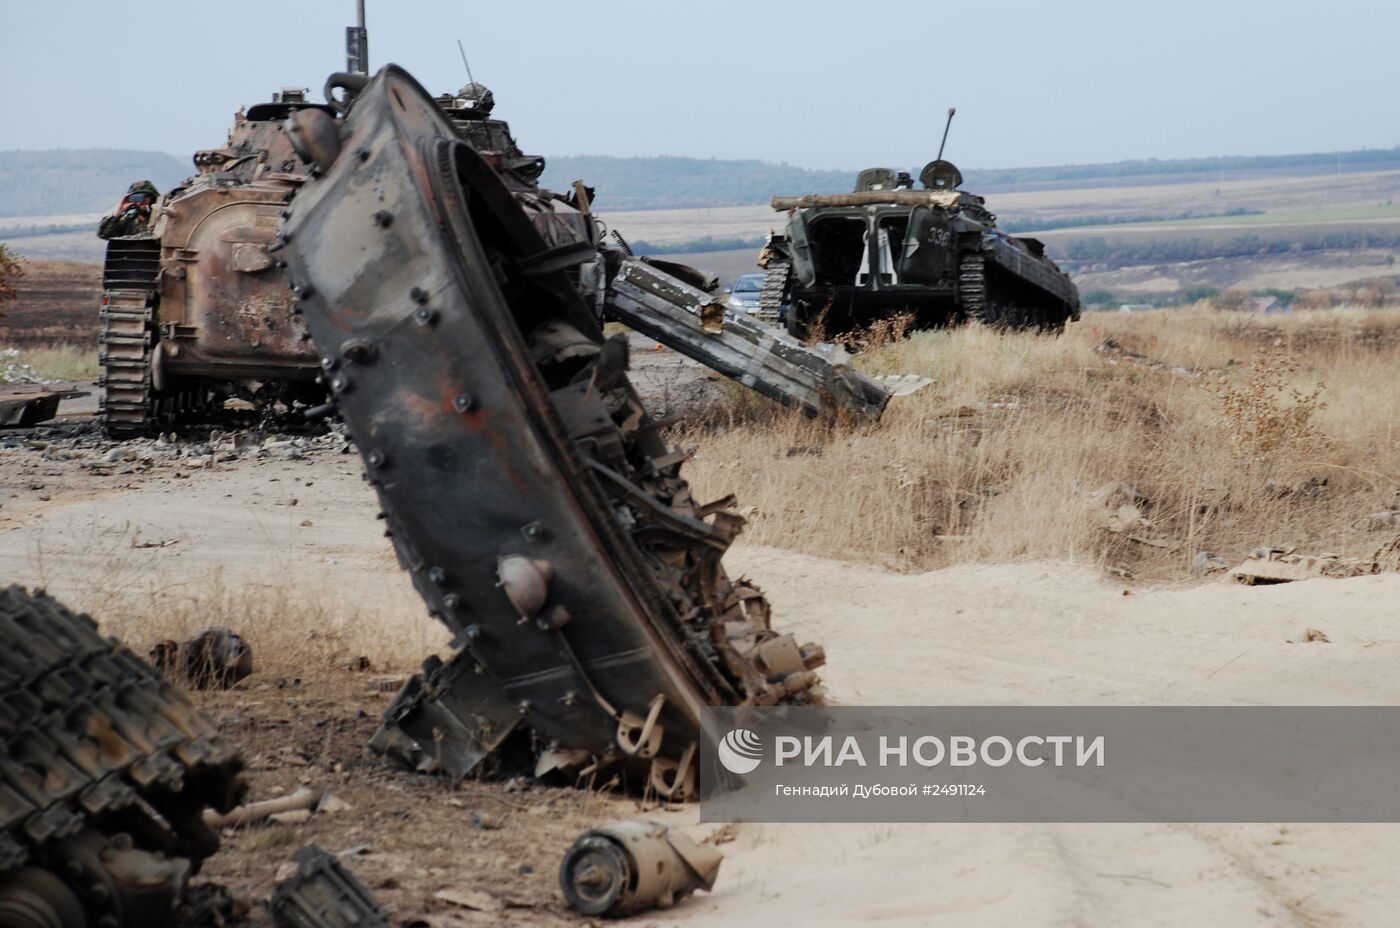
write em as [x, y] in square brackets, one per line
[324, 894]
[624, 867]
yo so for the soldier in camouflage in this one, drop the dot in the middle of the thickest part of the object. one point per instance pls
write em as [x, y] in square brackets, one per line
[133, 213]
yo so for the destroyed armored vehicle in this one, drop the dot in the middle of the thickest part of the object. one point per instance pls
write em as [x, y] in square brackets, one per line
[671, 303]
[195, 310]
[526, 489]
[106, 776]
[887, 249]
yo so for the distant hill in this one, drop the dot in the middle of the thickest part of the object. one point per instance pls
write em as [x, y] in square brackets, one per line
[59, 183]
[63, 182]
[1182, 170]
[675, 183]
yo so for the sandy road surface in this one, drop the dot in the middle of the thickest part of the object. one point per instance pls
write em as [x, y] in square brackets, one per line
[1034, 634]
[1056, 634]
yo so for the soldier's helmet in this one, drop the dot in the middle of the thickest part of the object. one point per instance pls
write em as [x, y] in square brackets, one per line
[146, 187]
[478, 96]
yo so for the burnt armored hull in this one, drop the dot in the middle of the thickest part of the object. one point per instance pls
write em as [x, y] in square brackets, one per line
[106, 772]
[533, 500]
[197, 311]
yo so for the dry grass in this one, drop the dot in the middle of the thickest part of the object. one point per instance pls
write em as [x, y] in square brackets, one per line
[995, 461]
[58, 362]
[297, 626]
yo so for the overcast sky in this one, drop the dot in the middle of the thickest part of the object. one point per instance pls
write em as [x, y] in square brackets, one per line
[814, 83]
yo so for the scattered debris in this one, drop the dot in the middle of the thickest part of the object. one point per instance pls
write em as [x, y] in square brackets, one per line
[13, 370]
[80, 444]
[214, 658]
[629, 866]
[904, 384]
[1114, 353]
[21, 407]
[303, 799]
[1118, 508]
[1208, 562]
[1285, 565]
[470, 899]
[331, 804]
[322, 893]
[1110, 499]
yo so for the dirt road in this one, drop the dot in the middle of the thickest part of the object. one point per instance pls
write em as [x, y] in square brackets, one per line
[136, 539]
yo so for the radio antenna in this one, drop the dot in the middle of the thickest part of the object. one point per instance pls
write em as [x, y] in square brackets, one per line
[946, 126]
[465, 62]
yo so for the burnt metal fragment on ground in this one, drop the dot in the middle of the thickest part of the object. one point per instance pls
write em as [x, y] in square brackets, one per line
[625, 867]
[26, 406]
[531, 497]
[216, 658]
[324, 894]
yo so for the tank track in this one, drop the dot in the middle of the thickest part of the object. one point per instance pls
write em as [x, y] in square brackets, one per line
[770, 295]
[972, 289]
[128, 335]
[999, 299]
[131, 407]
[106, 773]
[127, 341]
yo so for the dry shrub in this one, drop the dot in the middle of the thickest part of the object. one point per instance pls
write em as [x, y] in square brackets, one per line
[1264, 420]
[10, 272]
[883, 332]
[1370, 294]
[995, 460]
[1232, 301]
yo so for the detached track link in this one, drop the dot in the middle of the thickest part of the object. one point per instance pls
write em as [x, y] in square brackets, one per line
[128, 336]
[96, 740]
[770, 295]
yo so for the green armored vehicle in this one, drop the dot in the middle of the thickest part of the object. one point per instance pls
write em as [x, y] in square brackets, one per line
[847, 260]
